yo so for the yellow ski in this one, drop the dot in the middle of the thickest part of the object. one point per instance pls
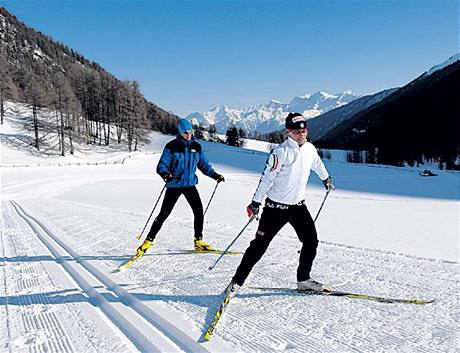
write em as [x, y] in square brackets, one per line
[210, 331]
[335, 293]
[129, 263]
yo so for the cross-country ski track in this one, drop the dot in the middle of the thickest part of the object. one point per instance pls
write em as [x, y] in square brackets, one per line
[144, 328]
[385, 231]
[35, 254]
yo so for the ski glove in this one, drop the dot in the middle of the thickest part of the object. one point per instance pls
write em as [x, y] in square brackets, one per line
[253, 208]
[167, 177]
[328, 184]
[218, 177]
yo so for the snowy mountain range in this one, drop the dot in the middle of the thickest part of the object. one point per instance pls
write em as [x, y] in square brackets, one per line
[322, 124]
[269, 117]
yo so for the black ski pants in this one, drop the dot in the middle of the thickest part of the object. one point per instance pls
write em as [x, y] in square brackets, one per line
[274, 217]
[171, 196]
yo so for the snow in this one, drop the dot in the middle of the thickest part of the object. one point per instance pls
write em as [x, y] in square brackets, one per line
[65, 228]
[450, 61]
[265, 118]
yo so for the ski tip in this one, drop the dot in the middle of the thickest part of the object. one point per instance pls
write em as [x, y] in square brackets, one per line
[121, 268]
[423, 302]
[207, 336]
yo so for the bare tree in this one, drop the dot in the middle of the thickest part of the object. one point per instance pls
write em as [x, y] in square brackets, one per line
[64, 96]
[140, 116]
[35, 96]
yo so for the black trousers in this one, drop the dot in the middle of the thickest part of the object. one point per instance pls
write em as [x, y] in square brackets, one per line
[171, 197]
[274, 217]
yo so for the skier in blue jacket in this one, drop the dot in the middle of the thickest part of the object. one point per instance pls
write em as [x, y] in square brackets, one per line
[177, 166]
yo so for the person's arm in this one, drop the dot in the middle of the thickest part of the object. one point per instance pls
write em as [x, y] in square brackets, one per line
[318, 165]
[272, 168]
[320, 169]
[205, 167]
[164, 163]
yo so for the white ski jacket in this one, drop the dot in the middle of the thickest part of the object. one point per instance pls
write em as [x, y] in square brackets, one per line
[286, 173]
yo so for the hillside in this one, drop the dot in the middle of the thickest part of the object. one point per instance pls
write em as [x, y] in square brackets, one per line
[418, 122]
[322, 124]
[46, 74]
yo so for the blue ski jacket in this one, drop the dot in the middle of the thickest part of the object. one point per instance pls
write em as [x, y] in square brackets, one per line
[180, 158]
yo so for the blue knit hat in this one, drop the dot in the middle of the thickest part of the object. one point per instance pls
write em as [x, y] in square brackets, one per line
[184, 125]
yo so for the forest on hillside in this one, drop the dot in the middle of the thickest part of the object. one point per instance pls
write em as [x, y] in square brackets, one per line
[89, 103]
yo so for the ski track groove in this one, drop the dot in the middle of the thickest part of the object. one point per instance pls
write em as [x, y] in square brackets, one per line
[32, 323]
[388, 327]
[25, 301]
[5, 284]
[35, 322]
[178, 338]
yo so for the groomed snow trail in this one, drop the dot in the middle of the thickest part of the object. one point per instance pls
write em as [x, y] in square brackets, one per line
[267, 322]
[121, 309]
[386, 232]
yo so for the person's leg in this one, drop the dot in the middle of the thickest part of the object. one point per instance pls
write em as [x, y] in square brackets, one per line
[171, 197]
[303, 224]
[193, 198]
[271, 221]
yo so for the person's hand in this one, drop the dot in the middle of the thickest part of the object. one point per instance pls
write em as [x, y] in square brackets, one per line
[219, 178]
[167, 177]
[253, 209]
[328, 184]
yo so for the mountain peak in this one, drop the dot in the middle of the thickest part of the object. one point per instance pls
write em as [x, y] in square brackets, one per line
[274, 104]
[219, 108]
[450, 61]
[269, 117]
[324, 94]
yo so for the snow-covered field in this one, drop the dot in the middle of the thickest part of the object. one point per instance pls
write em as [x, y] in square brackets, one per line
[384, 231]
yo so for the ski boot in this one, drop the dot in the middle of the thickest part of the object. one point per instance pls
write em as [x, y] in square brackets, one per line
[201, 245]
[231, 290]
[310, 285]
[143, 248]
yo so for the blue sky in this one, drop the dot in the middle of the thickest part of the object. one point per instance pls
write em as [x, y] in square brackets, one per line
[192, 55]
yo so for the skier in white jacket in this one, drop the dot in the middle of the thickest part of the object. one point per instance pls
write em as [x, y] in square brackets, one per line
[283, 182]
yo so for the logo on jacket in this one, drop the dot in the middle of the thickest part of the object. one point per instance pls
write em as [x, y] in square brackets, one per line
[275, 163]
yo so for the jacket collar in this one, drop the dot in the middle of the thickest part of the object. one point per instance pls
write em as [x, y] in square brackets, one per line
[292, 143]
[184, 141]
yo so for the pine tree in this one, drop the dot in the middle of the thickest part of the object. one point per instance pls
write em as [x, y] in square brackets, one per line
[213, 132]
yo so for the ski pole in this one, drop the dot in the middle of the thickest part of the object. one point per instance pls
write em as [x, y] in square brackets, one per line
[228, 247]
[138, 237]
[320, 207]
[322, 204]
[217, 184]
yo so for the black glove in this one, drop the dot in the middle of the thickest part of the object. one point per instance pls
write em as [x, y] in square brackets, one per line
[167, 177]
[253, 208]
[218, 177]
[328, 184]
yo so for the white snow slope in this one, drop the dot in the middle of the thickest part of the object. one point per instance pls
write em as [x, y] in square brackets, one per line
[384, 231]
